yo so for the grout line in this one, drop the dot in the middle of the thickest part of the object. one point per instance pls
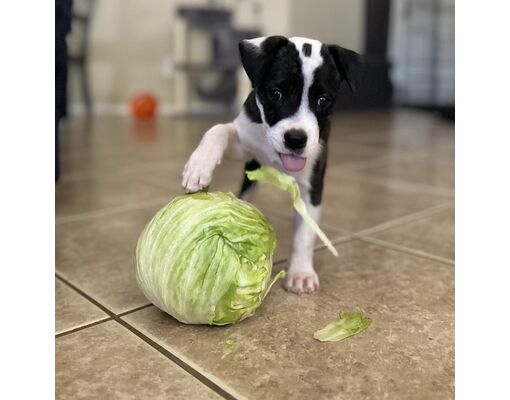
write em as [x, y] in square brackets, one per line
[134, 310]
[357, 147]
[172, 357]
[395, 247]
[318, 247]
[81, 327]
[109, 211]
[404, 249]
[140, 167]
[282, 215]
[360, 165]
[336, 230]
[396, 184]
[378, 160]
[275, 213]
[406, 219]
[339, 240]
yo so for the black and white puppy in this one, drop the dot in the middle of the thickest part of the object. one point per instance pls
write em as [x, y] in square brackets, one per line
[284, 124]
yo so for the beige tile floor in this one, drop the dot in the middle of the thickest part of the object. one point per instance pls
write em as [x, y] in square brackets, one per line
[388, 207]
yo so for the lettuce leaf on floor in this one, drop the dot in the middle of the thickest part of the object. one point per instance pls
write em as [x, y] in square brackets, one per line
[229, 347]
[348, 324]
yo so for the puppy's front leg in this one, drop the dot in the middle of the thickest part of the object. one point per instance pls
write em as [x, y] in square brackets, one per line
[301, 277]
[199, 169]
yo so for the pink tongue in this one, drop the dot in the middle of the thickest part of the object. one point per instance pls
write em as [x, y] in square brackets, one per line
[292, 163]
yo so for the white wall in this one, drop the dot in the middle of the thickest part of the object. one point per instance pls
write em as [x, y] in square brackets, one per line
[330, 21]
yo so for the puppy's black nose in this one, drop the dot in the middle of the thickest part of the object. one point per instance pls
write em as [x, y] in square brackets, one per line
[295, 139]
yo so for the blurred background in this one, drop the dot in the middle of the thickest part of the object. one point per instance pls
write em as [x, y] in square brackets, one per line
[184, 53]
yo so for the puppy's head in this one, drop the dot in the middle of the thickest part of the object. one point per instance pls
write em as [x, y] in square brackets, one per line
[295, 82]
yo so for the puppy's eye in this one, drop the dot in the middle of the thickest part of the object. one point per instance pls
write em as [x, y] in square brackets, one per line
[276, 95]
[322, 101]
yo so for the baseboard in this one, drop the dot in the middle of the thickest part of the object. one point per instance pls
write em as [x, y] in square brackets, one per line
[165, 110]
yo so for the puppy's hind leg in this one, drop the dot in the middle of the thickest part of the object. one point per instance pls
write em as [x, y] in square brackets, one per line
[247, 187]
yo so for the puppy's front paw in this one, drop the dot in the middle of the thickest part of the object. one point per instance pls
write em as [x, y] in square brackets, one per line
[301, 281]
[197, 173]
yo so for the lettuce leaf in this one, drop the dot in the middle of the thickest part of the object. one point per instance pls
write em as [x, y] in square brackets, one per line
[348, 324]
[288, 183]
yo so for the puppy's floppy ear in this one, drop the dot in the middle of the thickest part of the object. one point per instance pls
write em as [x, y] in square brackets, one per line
[255, 54]
[349, 63]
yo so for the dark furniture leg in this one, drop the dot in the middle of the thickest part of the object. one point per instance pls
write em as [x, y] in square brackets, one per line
[62, 28]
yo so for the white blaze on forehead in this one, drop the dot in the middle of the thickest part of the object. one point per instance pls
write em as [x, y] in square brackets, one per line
[311, 62]
[257, 41]
[305, 118]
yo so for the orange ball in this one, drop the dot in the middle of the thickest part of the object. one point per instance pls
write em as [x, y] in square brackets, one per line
[143, 105]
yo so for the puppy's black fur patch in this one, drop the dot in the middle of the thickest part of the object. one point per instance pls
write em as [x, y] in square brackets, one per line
[307, 49]
[255, 59]
[317, 177]
[349, 64]
[251, 108]
[282, 73]
[247, 184]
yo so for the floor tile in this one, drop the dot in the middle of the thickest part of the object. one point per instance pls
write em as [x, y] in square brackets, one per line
[117, 164]
[111, 145]
[434, 234]
[407, 352]
[352, 204]
[347, 124]
[111, 284]
[114, 135]
[347, 156]
[97, 255]
[92, 195]
[405, 132]
[425, 172]
[107, 361]
[73, 310]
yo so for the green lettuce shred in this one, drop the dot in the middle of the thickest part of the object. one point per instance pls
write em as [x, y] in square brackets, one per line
[287, 182]
[229, 347]
[348, 324]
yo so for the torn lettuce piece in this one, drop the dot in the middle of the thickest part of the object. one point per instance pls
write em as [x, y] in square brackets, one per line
[229, 347]
[349, 324]
[279, 275]
[288, 183]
